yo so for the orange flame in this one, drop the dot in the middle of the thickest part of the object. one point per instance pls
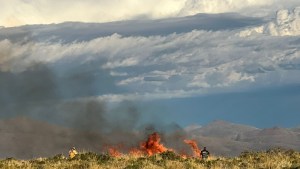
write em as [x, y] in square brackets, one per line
[112, 151]
[194, 147]
[183, 154]
[152, 145]
[136, 152]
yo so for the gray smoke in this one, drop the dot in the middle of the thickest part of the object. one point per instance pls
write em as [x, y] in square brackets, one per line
[40, 93]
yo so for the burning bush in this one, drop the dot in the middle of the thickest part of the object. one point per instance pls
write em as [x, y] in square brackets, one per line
[152, 145]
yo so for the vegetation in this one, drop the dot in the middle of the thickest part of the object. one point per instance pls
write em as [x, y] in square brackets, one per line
[274, 158]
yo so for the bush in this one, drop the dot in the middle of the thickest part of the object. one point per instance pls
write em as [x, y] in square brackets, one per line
[90, 156]
[80, 166]
[135, 165]
[170, 155]
[57, 157]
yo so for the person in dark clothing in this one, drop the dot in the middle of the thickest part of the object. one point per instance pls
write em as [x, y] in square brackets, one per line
[204, 154]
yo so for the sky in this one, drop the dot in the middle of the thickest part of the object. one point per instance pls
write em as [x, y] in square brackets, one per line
[24, 12]
[182, 61]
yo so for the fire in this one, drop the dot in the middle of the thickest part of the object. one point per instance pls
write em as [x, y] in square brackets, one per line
[194, 147]
[183, 154]
[112, 151]
[136, 152]
[152, 145]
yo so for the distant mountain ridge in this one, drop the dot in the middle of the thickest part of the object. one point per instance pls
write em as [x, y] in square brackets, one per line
[231, 139]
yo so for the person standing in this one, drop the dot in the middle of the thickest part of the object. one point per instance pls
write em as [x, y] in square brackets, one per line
[204, 154]
[72, 152]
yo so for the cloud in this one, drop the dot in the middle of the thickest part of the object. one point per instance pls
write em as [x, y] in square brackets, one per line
[165, 66]
[113, 73]
[75, 31]
[246, 7]
[182, 64]
[220, 6]
[20, 12]
[121, 63]
[287, 23]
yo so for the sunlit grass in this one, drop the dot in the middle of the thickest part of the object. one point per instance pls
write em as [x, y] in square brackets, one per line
[274, 158]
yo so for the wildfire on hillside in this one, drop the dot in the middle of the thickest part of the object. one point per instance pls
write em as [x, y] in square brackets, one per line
[154, 146]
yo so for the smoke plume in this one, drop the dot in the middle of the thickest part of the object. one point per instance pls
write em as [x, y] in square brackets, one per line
[48, 112]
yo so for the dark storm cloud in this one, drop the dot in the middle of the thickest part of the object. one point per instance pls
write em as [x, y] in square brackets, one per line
[75, 31]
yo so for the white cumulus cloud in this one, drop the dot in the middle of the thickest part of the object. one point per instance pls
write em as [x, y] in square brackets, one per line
[220, 6]
[286, 23]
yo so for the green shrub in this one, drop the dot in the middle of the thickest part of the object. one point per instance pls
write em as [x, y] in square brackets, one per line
[80, 166]
[57, 157]
[90, 156]
[170, 155]
[135, 165]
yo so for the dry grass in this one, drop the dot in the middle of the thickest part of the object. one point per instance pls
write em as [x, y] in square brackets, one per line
[275, 158]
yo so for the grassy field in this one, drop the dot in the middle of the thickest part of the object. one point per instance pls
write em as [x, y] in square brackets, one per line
[273, 159]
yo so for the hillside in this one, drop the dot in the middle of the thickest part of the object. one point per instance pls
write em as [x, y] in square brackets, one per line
[226, 138]
[27, 138]
[275, 158]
